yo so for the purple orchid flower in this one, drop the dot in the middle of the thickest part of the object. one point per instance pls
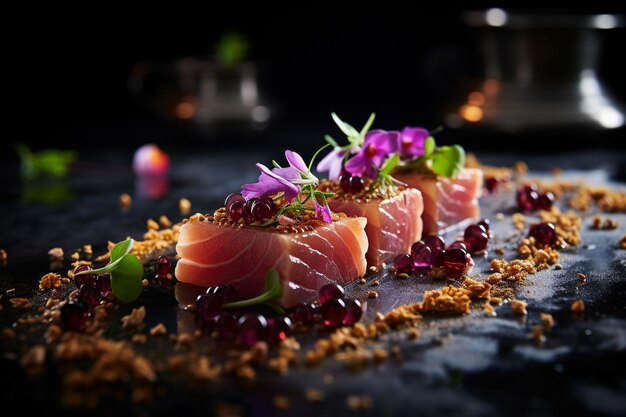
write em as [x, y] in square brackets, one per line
[377, 146]
[333, 162]
[323, 211]
[296, 162]
[411, 142]
[273, 182]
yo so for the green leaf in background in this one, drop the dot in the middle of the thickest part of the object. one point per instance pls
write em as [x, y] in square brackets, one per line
[389, 165]
[231, 49]
[53, 162]
[448, 160]
[346, 128]
[273, 290]
[429, 146]
[126, 279]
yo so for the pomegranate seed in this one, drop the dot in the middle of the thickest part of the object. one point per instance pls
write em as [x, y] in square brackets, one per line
[344, 183]
[266, 199]
[527, 198]
[354, 311]
[247, 209]
[458, 244]
[261, 211]
[209, 306]
[278, 328]
[475, 238]
[227, 292]
[356, 184]
[163, 266]
[455, 263]
[485, 225]
[435, 243]
[491, 184]
[82, 279]
[252, 329]
[302, 314]
[545, 201]
[74, 315]
[89, 294]
[544, 233]
[403, 264]
[233, 198]
[333, 312]
[235, 212]
[227, 325]
[330, 291]
[421, 254]
[103, 284]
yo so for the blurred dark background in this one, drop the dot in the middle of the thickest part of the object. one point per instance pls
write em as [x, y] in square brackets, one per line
[68, 79]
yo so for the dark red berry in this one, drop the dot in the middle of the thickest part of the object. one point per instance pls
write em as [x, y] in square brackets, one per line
[266, 199]
[330, 291]
[454, 262]
[233, 198]
[485, 223]
[435, 243]
[302, 314]
[247, 209]
[261, 211]
[475, 238]
[544, 234]
[403, 263]
[422, 255]
[226, 292]
[89, 294]
[354, 311]
[278, 328]
[457, 244]
[227, 325]
[527, 198]
[163, 266]
[84, 278]
[74, 315]
[333, 312]
[252, 329]
[356, 184]
[209, 306]
[545, 201]
[344, 183]
[235, 212]
[103, 284]
[491, 184]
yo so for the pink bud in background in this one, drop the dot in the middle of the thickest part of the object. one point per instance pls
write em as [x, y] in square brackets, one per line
[150, 160]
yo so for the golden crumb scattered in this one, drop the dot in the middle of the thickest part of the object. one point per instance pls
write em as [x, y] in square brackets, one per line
[145, 282]
[373, 268]
[281, 402]
[139, 339]
[499, 216]
[314, 395]
[558, 267]
[50, 281]
[152, 225]
[362, 280]
[519, 307]
[449, 299]
[35, 356]
[158, 330]
[165, 221]
[521, 167]
[20, 303]
[125, 200]
[402, 275]
[581, 276]
[53, 334]
[184, 206]
[3, 255]
[488, 308]
[499, 251]
[547, 319]
[8, 334]
[537, 334]
[376, 283]
[578, 306]
[372, 294]
[380, 355]
[413, 333]
[518, 220]
[56, 254]
[87, 249]
[359, 402]
[135, 319]
[246, 373]
[622, 242]
[75, 256]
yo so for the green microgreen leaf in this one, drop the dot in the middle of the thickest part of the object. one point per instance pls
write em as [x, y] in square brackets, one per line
[346, 128]
[448, 160]
[273, 290]
[126, 271]
[429, 146]
[316, 154]
[53, 162]
[332, 141]
[389, 165]
[367, 126]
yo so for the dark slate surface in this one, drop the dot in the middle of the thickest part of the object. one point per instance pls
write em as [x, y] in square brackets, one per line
[472, 365]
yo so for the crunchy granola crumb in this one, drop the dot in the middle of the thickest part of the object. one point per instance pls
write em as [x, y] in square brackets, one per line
[246, 373]
[413, 333]
[578, 306]
[145, 283]
[87, 249]
[125, 200]
[558, 267]
[34, 357]
[622, 242]
[519, 307]
[21, 303]
[488, 308]
[152, 225]
[184, 206]
[8, 334]
[158, 330]
[376, 283]
[499, 251]
[56, 254]
[380, 355]
[3, 255]
[281, 402]
[518, 220]
[537, 334]
[449, 299]
[314, 395]
[135, 319]
[547, 319]
[372, 294]
[139, 339]
[362, 281]
[373, 268]
[75, 256]
[500, 216]
[52, 334]
[402, 275]
[165, 221]
[581, 276]
[49, 281]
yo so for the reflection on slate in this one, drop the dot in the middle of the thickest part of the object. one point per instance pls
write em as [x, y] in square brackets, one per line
[472, 365]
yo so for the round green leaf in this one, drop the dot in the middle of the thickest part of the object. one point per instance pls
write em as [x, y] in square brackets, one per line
[126, 278]
[120, 249]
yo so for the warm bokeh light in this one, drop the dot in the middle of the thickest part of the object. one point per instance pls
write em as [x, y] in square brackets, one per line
[471, 113]
[476, 98]
[491, 86]
[185, 110]
[150, 160]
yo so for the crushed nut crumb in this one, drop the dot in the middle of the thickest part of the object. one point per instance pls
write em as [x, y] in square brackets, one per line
[578, 306]
[135, 319]
[158, 330]
[56, 254]
[519, 307]
[547, 319]
[50, 281]
[281, 402]
[581, 276]
[372, 294]
[184, 206]
[125, 200]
